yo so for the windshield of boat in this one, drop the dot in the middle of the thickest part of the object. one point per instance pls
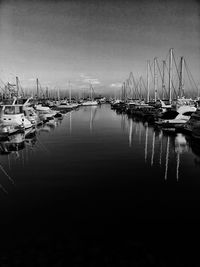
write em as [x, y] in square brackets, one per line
[169, 115]
[188, 113]
[9, 110]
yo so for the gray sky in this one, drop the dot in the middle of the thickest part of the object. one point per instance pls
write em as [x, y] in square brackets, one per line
[97, 41]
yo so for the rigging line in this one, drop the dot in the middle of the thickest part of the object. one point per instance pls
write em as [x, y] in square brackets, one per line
[6, 174]
[167, 56]
[2, 82]
[150, 67]
[3, 189]
[134, 81]
[175, 64]
[171, 82]
[189, 77]
[159, 69]
[187, 68]
[136, 89]
[144, 84]
[3, 89]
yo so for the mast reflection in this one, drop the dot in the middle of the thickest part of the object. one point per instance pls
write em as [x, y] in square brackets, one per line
[162, 152]
[93, 110]
[167, 157]
[146, 141]
[130, 132]
[181, 146]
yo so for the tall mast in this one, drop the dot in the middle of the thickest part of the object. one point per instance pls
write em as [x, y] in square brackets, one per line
[148, 63]
[170, 75]
[163, 79]
[58, 94]
[181, 85]
[155, 79]
[140, 88]
[91, 91]
[37, 84]
[17, 86]
[70, 96]
[47, 92]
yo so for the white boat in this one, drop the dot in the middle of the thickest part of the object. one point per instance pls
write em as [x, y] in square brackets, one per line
[66, 105]
[192, 123]
[14, 115]
[181, 116]
[31, 115]
[90, 103]
[45, 113]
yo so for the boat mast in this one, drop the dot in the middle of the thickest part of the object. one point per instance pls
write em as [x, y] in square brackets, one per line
[170, 75]
[140, 88]
[70, 96]
[17, 86]
[155, 79]
[181, 89]
[148, 63]
[91, 92]
[37, 84]
[163, 79]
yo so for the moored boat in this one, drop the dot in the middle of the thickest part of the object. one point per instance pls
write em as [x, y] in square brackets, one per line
[90, 103]
[14, 115]
[176, 118]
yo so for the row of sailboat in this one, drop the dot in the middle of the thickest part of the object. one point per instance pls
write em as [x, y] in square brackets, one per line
[176, 112]
[184, 118]
[22, 114]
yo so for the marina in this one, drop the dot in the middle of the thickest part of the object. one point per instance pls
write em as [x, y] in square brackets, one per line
[99, 133]
[92, 168]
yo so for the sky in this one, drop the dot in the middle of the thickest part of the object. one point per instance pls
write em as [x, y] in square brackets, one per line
[98, 42]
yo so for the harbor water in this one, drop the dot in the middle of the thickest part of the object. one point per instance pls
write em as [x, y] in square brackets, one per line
[98, 175]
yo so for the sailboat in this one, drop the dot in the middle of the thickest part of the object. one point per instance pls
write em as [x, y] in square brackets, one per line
[91, 101]
[68, 105]
[180, 117]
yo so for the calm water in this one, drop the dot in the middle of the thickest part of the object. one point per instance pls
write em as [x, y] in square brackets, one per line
[97, 173]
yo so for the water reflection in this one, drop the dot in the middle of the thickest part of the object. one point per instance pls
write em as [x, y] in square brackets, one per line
[130, 132]
[15, 147]
[93, 111]
[146, 141]
[153, 149]
[160, 148]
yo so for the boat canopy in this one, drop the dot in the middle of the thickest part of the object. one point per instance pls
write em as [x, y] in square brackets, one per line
[10, 109]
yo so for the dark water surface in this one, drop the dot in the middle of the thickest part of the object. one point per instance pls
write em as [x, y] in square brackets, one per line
[99, 185]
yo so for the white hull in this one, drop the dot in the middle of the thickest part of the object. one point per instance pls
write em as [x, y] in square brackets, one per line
[90, 103]
[69, 106]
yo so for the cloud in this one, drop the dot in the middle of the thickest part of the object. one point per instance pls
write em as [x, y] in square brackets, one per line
[88, 79]
[116, 85]
[32, 79]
